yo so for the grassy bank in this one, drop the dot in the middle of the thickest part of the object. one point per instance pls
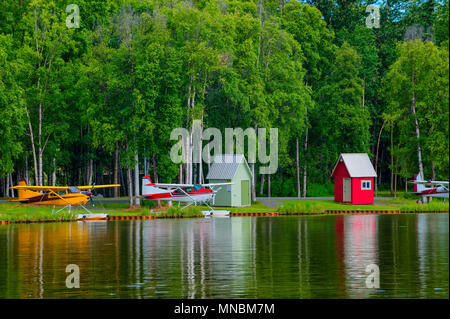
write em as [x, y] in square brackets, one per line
[256, 207]
[14, 212]
[320, 206]
[19, 212]
[177, 212]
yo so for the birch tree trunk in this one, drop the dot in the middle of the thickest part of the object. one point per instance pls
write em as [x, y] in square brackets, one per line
[189, 152]
[122, 179]
[433, 177]
[7, 186]
[90, 171]
[253, 183]
[155, 178]
[395, 185]
[416, 123]
[40, 146]
[268, 185]
[376, 159]
[304, 167]
[145, 166]
[392, 160]
[116, 170]
[130, 186]
[188, 173]
[137, 200]
[12, 184]
[27, 171]
[261, 187]
[54, 172]
[33, 148]
[200, 166]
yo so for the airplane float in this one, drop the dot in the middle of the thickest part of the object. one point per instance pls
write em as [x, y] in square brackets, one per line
[66, 196]
[186, 193]
[424, 188]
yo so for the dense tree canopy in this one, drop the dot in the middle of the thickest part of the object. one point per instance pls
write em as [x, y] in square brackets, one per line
[97, 103]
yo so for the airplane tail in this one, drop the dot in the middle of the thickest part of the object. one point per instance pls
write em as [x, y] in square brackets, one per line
[418, 187]
[24, 194]
[148, 187]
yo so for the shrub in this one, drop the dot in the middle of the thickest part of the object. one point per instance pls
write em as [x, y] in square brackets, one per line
[317, 190]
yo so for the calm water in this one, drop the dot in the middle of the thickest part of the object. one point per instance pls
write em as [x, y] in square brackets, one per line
[239, 257]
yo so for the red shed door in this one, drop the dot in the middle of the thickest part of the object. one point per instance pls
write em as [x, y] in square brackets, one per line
[347, 190]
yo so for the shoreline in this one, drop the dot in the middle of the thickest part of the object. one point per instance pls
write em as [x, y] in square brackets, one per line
[235, 214]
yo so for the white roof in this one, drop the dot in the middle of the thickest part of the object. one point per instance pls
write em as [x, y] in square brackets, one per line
[225, 166]
[357, 164]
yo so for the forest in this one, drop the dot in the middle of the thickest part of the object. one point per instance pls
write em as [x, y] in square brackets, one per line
[90, 93]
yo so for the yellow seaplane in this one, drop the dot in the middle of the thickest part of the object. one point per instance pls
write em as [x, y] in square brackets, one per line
[56, 195]
[66, 196]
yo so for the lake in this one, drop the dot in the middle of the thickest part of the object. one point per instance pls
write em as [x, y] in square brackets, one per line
[237, 257]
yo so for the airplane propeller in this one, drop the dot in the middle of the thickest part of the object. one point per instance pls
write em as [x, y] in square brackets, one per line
[91, 193]
[214, 195]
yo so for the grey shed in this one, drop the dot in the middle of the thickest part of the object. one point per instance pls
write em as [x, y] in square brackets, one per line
[232, 168]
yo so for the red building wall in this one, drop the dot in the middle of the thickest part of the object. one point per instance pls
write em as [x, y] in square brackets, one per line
[339, 173]
[359, 196]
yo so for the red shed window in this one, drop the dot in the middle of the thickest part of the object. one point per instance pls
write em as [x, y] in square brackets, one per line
[366, 185]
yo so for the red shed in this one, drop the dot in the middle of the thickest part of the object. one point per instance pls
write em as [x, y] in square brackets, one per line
[353, 179]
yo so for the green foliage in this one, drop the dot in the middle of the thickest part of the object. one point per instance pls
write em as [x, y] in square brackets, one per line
[135, 70]
[421, 72]
[320, 190]
[305, 207]
[441, 26]
[12, 112]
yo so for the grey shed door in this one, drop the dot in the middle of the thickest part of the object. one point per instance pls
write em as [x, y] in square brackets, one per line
[347, 189]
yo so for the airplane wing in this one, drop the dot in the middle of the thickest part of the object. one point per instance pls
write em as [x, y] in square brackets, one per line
[97, 186]
[172, 185]
[443, 183]
[189, 185]
[216, 184]
[41, 188]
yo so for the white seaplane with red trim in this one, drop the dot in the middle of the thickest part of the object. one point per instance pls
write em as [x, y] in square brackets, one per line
[188, 193]
[437, 189]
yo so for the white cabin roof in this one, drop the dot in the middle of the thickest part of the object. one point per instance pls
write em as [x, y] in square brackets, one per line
[357, 164]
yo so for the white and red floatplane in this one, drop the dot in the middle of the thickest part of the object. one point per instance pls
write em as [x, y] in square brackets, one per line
[425, 188]
[188, 193]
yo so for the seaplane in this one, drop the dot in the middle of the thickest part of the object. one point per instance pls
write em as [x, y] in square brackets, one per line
[191, 194]
[66, 196]
[425, 188]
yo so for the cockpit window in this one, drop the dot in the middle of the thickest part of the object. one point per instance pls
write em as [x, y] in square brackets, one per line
[73, 189]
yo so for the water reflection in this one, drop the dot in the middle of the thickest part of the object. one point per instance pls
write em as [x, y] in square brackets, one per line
[288, 257]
